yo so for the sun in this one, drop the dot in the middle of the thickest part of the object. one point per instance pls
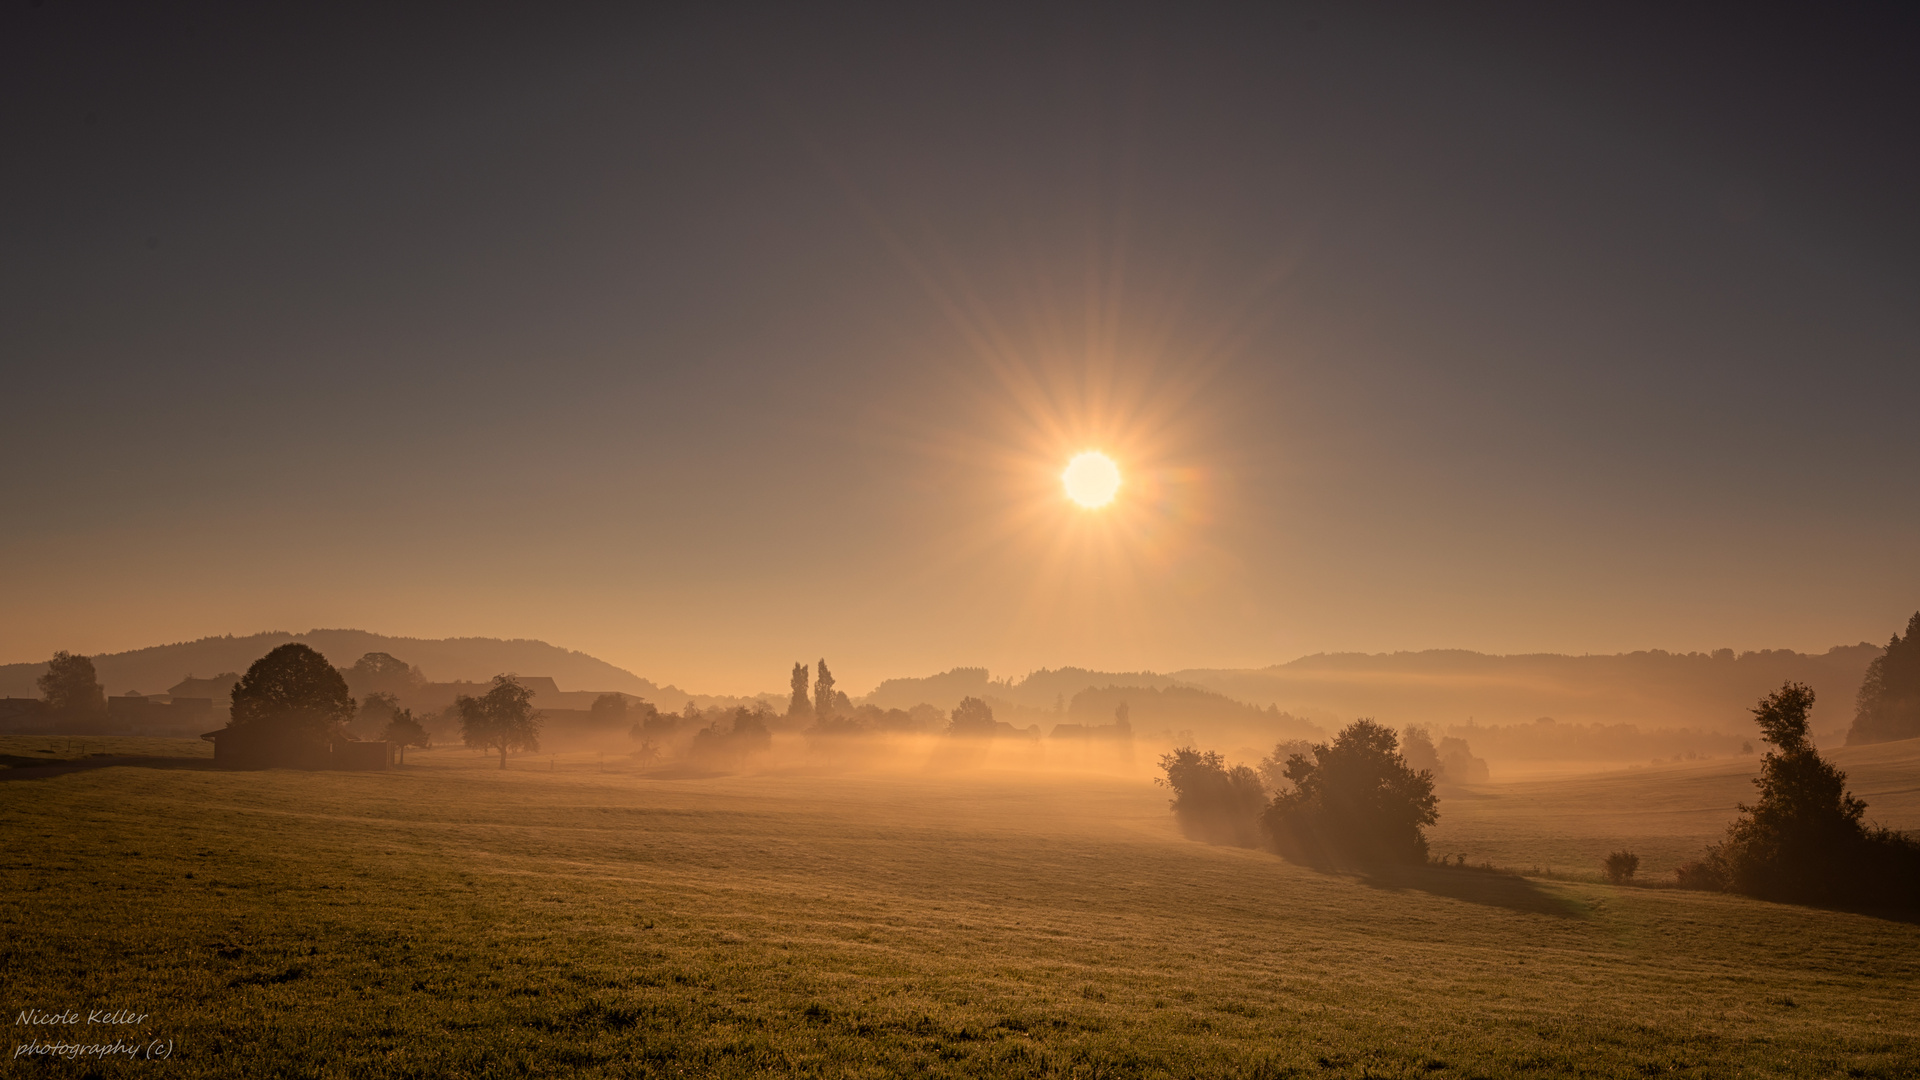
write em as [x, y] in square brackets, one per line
[1091, 479]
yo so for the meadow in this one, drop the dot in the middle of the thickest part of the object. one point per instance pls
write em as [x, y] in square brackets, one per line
[1565, 823]
[453, 919]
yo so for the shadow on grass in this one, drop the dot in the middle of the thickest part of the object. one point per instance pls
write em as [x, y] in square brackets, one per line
[16, 767]
[1910, 916]
[1493, 889]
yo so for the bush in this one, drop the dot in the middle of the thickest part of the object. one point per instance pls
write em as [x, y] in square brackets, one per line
[1621, 866]
[1893, 861]
[1708, 874]
[1212, 802]
[717, 747]
[1356, 799]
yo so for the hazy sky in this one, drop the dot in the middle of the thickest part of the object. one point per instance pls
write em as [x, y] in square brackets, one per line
[706, 342]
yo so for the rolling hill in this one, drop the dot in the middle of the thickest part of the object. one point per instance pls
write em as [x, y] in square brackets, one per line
[1652, 690]
[152, 670]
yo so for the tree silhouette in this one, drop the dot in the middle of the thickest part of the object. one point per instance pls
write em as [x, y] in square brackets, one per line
[729, 748]
[1417, 750]
[1212, 802]
[609, 708]
[1804, 838]
[1888, 705]
[750, 728]
[294, 693]
[1273, 767]
[70, 687]
[379, 703]
[649, 720]
[1458, 764]
[382, 673]
[823, 699]
[798, 704]
[376, 709]
[501, 719]
[403, 731]
[972, 719]
[1355, 798]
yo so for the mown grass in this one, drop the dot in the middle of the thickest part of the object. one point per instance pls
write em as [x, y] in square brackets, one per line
[33, 750]
[451, 919]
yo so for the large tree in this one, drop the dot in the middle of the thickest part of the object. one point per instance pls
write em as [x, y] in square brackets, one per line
[1888, 706]
[1804, 839]
[798, 704]
[292, 691]
[1354, 798]
[501, 719]
[383, 673]
[71, 688]
[972, 718]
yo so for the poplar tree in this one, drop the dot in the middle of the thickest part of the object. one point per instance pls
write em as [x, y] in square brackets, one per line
[823, 691]
[799, 705]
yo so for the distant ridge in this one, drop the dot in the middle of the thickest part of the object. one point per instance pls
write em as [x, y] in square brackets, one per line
[152, 670]
[1654, 688]
[1651, 688]
[1441, 687]
[1038, 690]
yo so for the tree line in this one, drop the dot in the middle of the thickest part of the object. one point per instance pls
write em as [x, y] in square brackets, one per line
[292, 697]
[727, 736]
[1356, 799]
[1888, 704]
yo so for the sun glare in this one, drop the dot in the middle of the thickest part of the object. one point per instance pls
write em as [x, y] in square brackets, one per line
[1091, 479]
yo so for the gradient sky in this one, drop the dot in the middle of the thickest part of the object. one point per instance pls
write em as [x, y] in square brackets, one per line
[705, 341]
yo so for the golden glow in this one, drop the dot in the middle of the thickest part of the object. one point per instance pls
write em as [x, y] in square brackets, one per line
[1053, 359]
[1091, 479]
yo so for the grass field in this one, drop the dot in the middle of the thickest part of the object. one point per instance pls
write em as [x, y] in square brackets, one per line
[452, 919]
[1665, 813]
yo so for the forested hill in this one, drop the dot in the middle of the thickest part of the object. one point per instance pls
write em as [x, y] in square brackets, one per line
[1654, 689]
[152, 670]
